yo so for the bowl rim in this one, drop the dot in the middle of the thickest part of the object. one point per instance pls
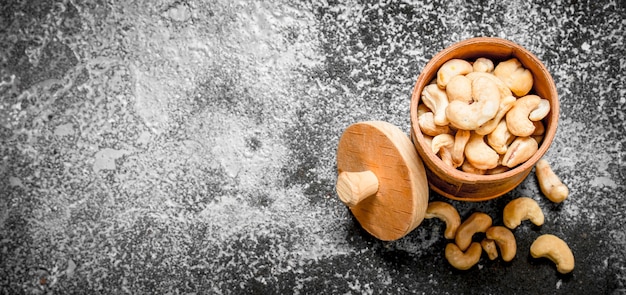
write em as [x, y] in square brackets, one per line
[516, 50]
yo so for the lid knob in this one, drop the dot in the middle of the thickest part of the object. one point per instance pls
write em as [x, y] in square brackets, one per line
[354, 187]
[381, 179]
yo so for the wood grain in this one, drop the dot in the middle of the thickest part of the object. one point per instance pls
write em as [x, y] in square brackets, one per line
[400, 203]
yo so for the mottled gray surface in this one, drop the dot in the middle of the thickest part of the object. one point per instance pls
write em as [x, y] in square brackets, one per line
[189, 146]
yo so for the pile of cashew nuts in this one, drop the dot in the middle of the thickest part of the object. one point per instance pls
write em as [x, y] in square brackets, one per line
[466, 249]
[480, 118]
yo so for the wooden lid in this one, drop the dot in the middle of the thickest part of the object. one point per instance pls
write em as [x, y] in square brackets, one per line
[381, 179]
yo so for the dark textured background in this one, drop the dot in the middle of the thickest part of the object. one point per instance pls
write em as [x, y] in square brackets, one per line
[189, 146]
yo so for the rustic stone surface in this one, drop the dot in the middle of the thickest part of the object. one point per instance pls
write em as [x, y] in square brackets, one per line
[189, 146]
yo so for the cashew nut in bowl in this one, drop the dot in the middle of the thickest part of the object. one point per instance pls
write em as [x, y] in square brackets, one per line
[442, 145]
[450, 69]
[427, 124]
[483, 64]
[538, 134]
[437, 101]
[489, 246]
[515, 76]
[480, 154]
[463, 260]
[517, 118]
[520, 150]
[469, 168]
[485, 106]
[541, 111]
[549, 182]
[458, 150]
[555, 249]
[520, 209]
[442, 141]
[505, 240]
[502, 88]
[477, 222]
[498, 170]
[459, 88]
[500, 138]
[506, 103]
[540, 129]
[422, 109]
[447, 213]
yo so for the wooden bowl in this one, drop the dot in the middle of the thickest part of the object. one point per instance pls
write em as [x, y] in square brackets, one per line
[456, 184]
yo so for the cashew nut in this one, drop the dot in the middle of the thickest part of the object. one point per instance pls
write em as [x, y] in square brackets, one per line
[541, 111]
[521, 209]
[500, 138]
[458, 150]
[450, 69]
[498, 170]
[505, 240]
[482, 64]
[469, 168]
[485, 106]
[506, 103]
[489, 246]
[437, 101]
[502, 88]
[480, 154]
[520, 150]
[446, 213]
[517, 118]
[459, 88]
[549, 182]
[442, 141]
[442, 144]
[555, 249]
[427, 124]
[477, 222]
[540, 129]
[463, 260]
[422, 109]
[445, 154]
[515, 76]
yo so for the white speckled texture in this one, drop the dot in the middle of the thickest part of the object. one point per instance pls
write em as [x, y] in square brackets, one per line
[189, 146]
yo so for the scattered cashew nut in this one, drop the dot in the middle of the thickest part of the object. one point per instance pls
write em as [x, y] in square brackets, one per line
[489, 246]
[450, 69]
[555, 249]
[549, 182]
[480, 154]
[477, 222]
[446, 213]
[484, 107]
[517, 118]
[515, 76]
[520, 150]
[505, 240]
[463, 260]
[520, 209]
[437, 101]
